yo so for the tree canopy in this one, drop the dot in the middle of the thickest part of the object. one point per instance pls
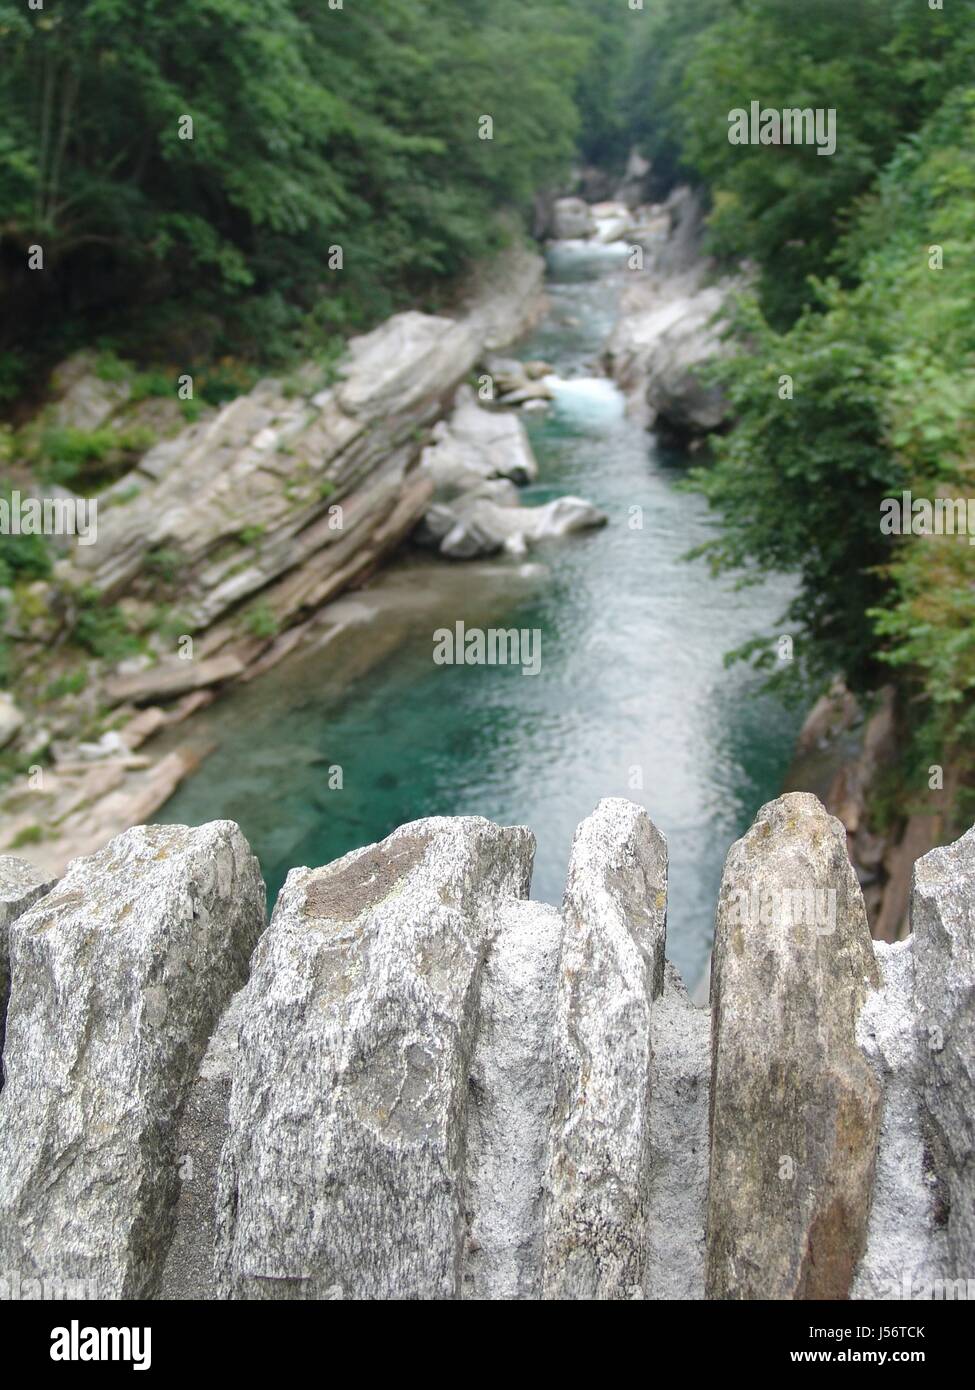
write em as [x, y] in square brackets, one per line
[314, 125]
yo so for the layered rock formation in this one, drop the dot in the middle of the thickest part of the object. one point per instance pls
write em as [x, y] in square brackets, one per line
[297, 496]
[221, 548]
[432, 1087]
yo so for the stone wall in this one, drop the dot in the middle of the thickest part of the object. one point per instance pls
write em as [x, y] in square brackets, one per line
[425, 1085]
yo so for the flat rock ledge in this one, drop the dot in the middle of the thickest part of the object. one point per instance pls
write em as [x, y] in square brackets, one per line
[427, 1086]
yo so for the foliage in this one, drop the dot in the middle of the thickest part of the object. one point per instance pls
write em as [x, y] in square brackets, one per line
[882, 65]
[313, 127]
[101, 629]
[799, 482]
[884, 372]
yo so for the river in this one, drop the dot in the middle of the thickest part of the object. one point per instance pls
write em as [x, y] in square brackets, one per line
[632, 699]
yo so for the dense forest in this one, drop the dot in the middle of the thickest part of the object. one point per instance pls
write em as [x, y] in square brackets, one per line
[190, 168]
[195, 174]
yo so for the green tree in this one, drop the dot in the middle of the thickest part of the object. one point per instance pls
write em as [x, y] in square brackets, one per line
[311, 128]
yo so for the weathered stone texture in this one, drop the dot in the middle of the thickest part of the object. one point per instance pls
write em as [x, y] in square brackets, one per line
[118, 977]
[612, 968]
[344, 1172]
[795, 1106]
[943, 920]
[20, 887]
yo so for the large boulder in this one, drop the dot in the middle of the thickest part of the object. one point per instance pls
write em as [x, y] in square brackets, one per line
[681, 251]
[473, 466]
[633, 186]
[613, 221]
[482, 526]
[118, 977]
[672, 323]
[403, 361]
[344, 1171]
[664, 339]
[441, 518]
[572, 220]
[795, 1105]
[685, 338]
[612, 969]
[475, 445]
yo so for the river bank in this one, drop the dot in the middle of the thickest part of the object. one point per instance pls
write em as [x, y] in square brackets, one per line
[217, 553]
[632, 698]
[293, 693]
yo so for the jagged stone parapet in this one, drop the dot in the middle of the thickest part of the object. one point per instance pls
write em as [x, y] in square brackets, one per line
[343, 1175]
[795, 1105]
[432, 1087]
[611, 970]
[118, 978]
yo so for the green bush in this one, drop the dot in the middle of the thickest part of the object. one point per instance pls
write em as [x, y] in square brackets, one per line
[101, 629]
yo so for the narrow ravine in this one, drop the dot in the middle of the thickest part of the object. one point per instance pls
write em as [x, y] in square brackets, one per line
[632, 698]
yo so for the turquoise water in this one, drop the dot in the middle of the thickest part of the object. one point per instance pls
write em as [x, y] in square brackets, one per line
[632, 698]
